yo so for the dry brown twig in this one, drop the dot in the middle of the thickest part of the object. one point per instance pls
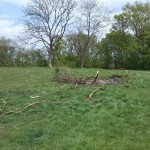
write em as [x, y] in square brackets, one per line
[93, 92]
[7, 113]
[4, 108]
[30, 105]
[27, 106]
[39, 97]
[34, 103]
[95, 78]
[4, 103]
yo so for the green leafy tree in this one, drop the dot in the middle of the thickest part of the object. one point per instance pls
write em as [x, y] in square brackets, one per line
[76, 46]
[120, 50]
[7, 52]
[137, 17]
[127, 43]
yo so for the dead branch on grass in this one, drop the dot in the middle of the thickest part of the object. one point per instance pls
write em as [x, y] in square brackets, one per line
[34, 103]
[4, 103]
[93, 92]
[25, 107]
[44, 99]
[8, 113]
[30, 105]
[95, 78]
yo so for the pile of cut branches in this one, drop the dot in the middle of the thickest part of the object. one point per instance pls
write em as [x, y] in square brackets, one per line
[64, 75]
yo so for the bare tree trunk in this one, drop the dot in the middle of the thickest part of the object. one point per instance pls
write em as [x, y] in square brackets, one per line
[82, 62]
[49, 59]
[49, 62]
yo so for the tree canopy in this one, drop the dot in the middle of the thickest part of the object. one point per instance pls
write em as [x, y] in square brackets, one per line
[126, 46]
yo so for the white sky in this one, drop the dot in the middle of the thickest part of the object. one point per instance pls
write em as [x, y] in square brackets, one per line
[11, 11]
[15, 2]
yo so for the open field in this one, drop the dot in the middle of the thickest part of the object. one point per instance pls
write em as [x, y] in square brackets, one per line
[117, 118]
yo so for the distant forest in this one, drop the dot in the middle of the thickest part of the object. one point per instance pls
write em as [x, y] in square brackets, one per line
[74, 41]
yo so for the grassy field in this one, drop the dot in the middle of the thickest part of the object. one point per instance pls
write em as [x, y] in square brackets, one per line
[117, 118]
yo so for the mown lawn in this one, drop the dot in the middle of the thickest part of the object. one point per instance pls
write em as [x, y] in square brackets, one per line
[117, 118]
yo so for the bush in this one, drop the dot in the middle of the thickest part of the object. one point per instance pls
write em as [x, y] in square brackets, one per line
[62, 74]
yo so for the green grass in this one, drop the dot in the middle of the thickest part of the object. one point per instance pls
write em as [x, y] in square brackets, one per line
[117, 118]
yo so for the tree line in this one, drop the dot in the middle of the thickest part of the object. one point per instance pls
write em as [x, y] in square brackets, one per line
[73, 40]
[11, 54]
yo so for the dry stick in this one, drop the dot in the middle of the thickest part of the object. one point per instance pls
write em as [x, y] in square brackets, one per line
[7, 113]
[26, 107]
[4, 103]
[93, 92]
[95, 77]
[30, 105]
[39, 97]
[34, 103]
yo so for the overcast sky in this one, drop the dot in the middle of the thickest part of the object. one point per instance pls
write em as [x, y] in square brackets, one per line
[11, 12]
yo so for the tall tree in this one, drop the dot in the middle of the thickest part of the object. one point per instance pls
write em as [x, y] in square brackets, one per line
[120, 50]
[94, 17]
[76, 44]
[45, 21]
[137, 16]
[135, 19]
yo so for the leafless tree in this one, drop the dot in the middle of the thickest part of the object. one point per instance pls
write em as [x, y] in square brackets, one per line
[46, 21]
[94, 17]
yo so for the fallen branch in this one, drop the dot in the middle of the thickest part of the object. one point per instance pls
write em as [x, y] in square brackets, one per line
[7, 113]
[93, 92]
[24, 108]
[39, 97]
[30, 105]
[4, 103]
[34, 103]
[1, 110]
[95, 78]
